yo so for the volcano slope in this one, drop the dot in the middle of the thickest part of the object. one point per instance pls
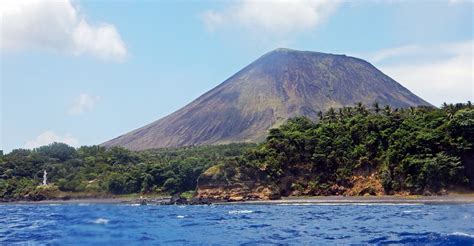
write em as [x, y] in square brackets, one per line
[279, 85]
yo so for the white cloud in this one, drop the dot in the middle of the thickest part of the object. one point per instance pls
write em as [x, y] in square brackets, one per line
[384, 54]
[277, 16]
[83, 103]
[56, 26]
[437, 73]
[49, 137]
[459, 1]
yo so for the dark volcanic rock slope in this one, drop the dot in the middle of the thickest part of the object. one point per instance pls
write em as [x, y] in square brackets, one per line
[279, 85]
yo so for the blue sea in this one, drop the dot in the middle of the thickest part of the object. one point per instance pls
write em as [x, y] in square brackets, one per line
[284, 224]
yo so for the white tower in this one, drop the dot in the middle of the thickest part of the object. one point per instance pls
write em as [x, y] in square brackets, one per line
[45, 178]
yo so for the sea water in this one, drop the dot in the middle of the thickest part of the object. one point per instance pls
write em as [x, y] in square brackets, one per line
[284, 224]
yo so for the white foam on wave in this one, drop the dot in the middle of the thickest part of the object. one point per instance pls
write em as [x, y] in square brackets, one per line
[387, 204]
[180, 216]
[240, 212]
[349, 204]
[101, 221]
[83, 204]
[457, 233]
[298, 204]
[410, 211]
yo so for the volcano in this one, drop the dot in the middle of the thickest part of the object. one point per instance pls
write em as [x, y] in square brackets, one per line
[279, 85]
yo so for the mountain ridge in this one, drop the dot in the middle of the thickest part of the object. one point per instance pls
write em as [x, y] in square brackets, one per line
[280, 84]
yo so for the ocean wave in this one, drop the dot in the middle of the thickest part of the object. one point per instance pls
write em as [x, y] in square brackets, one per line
[456, 233]
[101, 221]
[388, 204]
[349, 204]
[296, 204]
[255, 224]
[240, 212]
[455, 238]
[411, 211]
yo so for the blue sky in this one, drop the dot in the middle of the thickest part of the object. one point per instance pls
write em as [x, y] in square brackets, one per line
[83, 72]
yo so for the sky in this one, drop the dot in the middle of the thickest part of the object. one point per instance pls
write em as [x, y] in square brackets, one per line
[84, 72]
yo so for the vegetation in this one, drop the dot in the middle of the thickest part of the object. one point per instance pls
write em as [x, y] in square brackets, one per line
[410, 150]
[413, 150]
[96, 170]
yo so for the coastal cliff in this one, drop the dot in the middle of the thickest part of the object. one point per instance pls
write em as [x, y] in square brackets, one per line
[215, 185]
[224, 183]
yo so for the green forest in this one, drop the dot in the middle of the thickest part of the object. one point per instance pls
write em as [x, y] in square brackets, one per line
[414, 150]
[94, 170]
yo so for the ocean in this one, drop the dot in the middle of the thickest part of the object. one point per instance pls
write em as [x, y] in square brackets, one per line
[282, 224]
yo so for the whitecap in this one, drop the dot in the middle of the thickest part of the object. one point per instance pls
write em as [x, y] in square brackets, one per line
[301, 204]
[240, 211]
[411, 211]
[101, 221]
[348, 204]
[388, 204]
[457, 233]
[180, 216]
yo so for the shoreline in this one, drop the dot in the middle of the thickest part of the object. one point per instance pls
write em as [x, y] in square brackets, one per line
[445, 199]
[323, 200]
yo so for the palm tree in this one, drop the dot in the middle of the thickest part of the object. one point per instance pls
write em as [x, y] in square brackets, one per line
[450, 111]
[412, 110]
[387, 110]
[341, 113]
[360, 108]
[376, 107]
[331, 114]
[320, 115]
[348, 111]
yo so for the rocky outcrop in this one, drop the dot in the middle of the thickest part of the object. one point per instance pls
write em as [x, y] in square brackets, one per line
[366, 185]
[237, 192]
[226, 183]
[230, 183]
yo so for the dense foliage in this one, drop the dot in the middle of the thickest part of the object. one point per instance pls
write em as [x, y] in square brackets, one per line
[415, 149]
[96, 170]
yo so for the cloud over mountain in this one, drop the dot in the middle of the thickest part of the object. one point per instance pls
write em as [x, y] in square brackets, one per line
[440, 73]
[279, 16]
